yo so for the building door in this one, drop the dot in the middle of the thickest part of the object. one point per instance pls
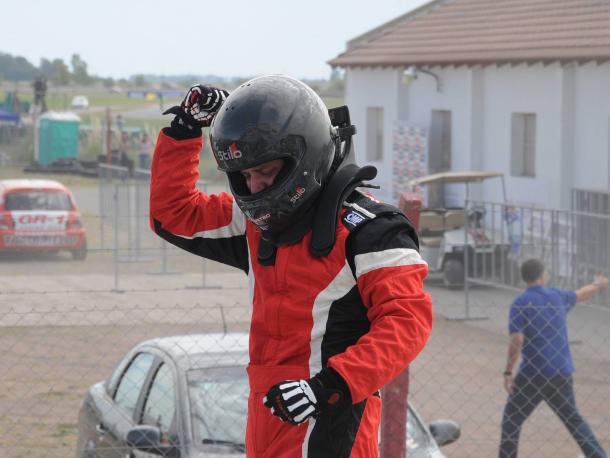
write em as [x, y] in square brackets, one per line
[439, 153]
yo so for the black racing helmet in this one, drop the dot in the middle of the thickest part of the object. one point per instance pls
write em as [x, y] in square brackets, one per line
[267, 118]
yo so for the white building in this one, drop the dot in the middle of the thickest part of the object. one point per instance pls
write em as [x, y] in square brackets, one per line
[516, 86]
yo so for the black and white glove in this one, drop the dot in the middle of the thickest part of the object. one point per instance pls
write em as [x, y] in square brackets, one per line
[202, 103]
[293, 401]
[296, 401]
[198, 108]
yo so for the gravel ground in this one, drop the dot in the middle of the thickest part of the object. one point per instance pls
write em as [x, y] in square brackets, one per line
[63, 328]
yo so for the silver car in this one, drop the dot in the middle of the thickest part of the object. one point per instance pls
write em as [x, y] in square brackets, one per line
[186, 396]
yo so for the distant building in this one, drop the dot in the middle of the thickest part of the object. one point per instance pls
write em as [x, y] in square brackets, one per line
[519, 87]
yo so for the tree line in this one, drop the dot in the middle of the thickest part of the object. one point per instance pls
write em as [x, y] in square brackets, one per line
[60, 73]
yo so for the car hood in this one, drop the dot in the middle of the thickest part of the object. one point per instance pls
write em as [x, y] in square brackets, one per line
[418, 453]
[219, 455]
[425, 452]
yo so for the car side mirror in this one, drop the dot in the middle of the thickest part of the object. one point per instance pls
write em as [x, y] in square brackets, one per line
[147, 439]
[444, 431]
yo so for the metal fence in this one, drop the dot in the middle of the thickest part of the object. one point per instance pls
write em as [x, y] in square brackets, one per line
[124, 225]
[66, 325]
[573, 245]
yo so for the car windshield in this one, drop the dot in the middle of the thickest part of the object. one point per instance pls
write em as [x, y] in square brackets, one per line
[219, 403]
[37, 200]
[417, 438]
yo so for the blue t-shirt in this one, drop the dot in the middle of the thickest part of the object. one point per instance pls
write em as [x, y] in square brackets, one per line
[540, 314]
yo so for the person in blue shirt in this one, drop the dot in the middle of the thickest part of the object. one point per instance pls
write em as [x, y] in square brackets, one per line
[538, 332]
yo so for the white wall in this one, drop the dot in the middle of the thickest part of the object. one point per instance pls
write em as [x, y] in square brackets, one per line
[413, 103]
[374, 88]
[454, 95]
[592, 127]
[523, 89]
[572, 107]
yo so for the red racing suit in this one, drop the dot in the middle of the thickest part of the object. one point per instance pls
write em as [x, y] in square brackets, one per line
[360, 310]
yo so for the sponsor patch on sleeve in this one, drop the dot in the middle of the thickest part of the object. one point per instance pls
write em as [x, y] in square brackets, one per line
[353, 218]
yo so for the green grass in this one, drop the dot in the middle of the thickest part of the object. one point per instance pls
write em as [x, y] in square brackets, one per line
[9, 172]
[333, 102]
[65, 430]
[57, 100]
[118, 103]
[154, 124]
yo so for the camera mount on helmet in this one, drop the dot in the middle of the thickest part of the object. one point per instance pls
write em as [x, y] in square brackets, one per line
[344, 131]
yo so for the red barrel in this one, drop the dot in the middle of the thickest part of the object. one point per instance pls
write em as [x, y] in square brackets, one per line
[410, 204]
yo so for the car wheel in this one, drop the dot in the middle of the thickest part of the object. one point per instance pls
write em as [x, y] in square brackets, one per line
[453, 273]
[80, 254]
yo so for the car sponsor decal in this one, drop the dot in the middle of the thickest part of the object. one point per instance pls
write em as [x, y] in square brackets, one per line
[40, 240]
[40, 220]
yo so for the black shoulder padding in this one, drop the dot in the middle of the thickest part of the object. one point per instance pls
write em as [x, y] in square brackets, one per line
[362, 208]
[341, 185]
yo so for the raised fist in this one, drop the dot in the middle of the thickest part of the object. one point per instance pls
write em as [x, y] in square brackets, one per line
[202, 102]
[199, 107]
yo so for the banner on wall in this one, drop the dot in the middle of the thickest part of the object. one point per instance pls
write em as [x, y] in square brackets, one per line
[410, 156]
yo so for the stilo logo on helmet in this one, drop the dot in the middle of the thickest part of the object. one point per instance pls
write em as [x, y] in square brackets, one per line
[230, 154]
[298, 192]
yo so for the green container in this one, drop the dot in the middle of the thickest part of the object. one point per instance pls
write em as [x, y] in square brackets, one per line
[57, 137]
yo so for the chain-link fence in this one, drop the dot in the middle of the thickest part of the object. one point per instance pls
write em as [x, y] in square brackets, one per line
[573, 245]
[459, 375]
[66, 325]
[124, 226]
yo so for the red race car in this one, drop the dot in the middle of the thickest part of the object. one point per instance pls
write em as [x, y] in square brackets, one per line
[40, 215]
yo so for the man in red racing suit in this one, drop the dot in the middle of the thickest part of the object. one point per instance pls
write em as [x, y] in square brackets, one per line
[327, 330]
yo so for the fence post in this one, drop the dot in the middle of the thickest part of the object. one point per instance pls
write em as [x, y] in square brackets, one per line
[164, 257]
[138, 216]
[394, 417]
[204, 284]
[127, 186]
[116, 237]
[466, 261]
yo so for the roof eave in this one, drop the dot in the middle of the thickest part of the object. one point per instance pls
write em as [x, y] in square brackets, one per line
[579, 59]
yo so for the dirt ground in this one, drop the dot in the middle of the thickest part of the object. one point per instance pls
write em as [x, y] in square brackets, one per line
[63, 327]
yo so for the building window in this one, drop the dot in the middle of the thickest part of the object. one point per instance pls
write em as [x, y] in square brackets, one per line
[374, 134]
[523, 145]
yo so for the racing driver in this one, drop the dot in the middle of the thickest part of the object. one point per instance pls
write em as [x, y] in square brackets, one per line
[335, 277]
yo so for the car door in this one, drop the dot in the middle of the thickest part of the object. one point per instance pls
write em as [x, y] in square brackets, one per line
[126, 400]
[159, 409]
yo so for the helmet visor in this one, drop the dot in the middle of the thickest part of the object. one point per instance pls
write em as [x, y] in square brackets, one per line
[240, 187]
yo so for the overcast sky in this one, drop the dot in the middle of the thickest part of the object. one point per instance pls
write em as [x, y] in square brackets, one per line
[120, 38]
